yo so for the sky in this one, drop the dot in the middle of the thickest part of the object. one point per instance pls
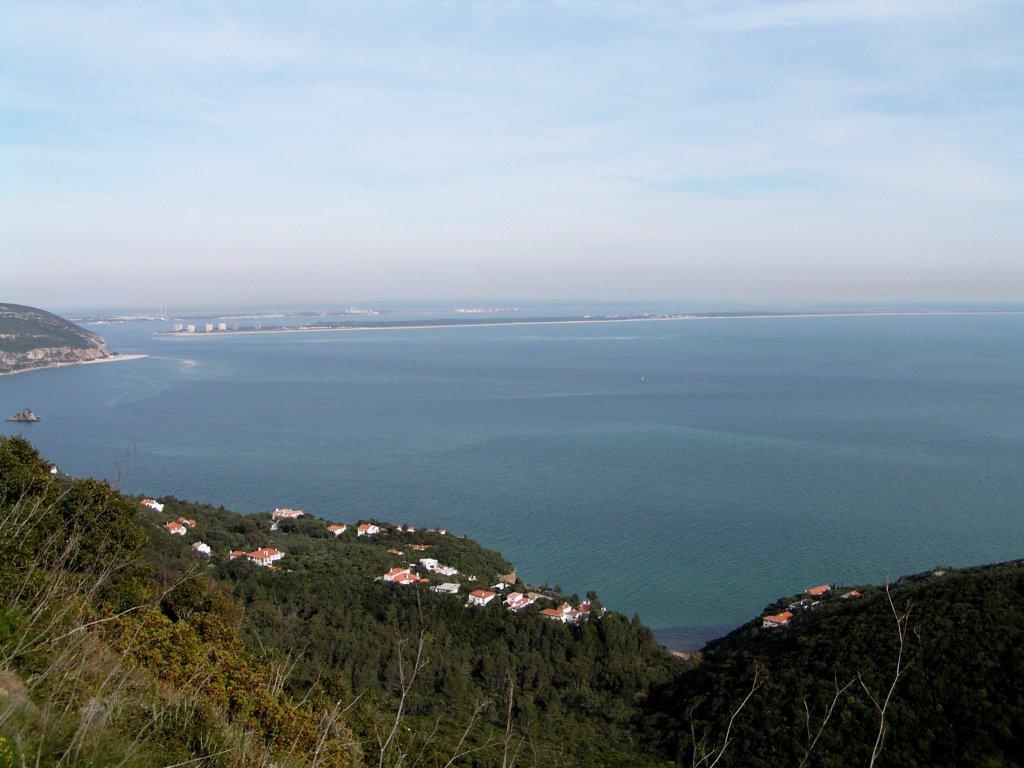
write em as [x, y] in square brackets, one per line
[319, 154]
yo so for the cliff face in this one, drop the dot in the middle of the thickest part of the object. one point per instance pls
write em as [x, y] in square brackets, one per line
[33, 338]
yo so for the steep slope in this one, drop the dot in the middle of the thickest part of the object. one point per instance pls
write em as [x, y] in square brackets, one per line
[958, 699]
[32, 338]
[313, 662]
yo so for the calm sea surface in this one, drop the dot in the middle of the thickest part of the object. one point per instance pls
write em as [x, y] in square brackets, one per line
[690, 471]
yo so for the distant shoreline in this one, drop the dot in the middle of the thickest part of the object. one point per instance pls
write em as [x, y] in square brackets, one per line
[110, 359]
[429, 324]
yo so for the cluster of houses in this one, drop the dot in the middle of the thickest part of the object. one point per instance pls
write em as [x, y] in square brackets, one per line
[180, 527]
[515, 601]
[782, 619]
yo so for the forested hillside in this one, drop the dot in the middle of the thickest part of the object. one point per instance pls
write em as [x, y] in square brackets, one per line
[124, 645]
[124, 642]
[31, 337]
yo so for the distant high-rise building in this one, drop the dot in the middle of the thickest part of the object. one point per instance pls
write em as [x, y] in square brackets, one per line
[208, 328]
[222, 326]
[191, 328]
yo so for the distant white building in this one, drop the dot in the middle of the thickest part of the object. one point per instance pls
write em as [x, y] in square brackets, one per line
[337, 530]
[446, 570]
[144, 502]
[480, 597]
[222, 326]
[448, 588]
[428, 563]
[175, 529]
[202, 548]
[517, 601]
[53, 470]
[265, 556]
[283, 513]
[208, 328]
[367, 529]
[191, 328]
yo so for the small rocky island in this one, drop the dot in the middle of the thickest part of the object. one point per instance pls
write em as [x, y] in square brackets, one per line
[33, 338]
[24, 417]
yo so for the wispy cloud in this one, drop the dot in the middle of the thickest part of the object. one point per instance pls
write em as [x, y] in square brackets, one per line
[747, 140]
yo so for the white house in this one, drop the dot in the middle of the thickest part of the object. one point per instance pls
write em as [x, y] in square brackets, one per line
[202, 548]
[265, 556]
[283, 513]
[156, 505]
[429, 563]
[564, 613]
[446, 570]
[367, 529]
[337, 530]
[175, 529]
[53, 470]
[516, 601]
[480, 597]
[772, 621]
[401, 576]
[448, 588]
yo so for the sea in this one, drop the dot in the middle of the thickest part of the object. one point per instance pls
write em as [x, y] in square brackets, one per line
[688, 471]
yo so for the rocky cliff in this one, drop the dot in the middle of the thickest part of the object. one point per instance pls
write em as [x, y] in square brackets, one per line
[34, 338]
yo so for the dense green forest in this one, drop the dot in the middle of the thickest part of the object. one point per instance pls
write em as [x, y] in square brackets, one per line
[120, 644]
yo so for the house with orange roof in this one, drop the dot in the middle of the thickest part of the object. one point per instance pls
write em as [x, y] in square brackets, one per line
[402, 577]
[819, 590]
[851, 595]
[564, 613]
[394, 551]
[264, 556]
[367, 529]
[337, 530]
[234, 553]
[775, 620]
[480, 597]
[175, 528]
[187, 522]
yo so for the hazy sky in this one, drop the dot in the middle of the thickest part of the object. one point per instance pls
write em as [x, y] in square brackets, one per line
[823, 150]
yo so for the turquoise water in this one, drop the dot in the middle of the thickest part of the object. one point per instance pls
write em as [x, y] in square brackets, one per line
[690, 471]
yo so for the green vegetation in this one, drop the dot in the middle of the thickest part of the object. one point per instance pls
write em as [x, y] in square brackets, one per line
[121, 645]
[32, 337]
[127, 647]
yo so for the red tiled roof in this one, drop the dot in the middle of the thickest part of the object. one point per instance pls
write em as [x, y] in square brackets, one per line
[819, 590]
[481, 593]
[779, 618]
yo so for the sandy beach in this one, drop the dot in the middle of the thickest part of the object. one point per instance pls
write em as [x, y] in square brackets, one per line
[111, 359]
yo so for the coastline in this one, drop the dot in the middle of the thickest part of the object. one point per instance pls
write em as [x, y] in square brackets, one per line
[581, 320]
[110, 359]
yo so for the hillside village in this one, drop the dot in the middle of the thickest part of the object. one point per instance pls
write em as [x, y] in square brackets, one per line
[412, 565]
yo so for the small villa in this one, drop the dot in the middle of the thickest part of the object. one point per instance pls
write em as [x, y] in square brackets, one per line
[283, 513]
[152, 504]
[264, 556]
[448, 588]
[564, 613]
[202, 548]
[517, 601]
[235, 553]
[775, 620]
[176, 529]
[851, 595]
[480, 597]
[429, 563]
[367, 529]
[446, 570]
[402, 577]
[819, 590]
[337, 530]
